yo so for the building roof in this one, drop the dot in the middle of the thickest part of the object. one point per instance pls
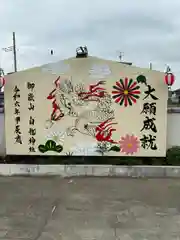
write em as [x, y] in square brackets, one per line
[177, 91]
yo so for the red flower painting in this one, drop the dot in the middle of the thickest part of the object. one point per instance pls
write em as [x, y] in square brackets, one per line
[129, 144]
[126, 92]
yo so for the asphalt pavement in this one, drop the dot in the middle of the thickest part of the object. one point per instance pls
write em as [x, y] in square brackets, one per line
[52, 208]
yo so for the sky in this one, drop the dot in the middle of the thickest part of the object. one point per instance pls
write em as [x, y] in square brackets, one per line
[144, 31]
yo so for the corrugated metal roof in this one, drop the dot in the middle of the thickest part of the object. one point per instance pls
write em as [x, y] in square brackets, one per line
[174, 110]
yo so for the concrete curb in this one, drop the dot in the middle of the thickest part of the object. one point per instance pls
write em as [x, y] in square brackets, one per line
[90, 170]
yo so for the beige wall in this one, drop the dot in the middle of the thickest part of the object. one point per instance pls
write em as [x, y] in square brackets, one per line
[173, 130]
[2, 136]
[68, 133]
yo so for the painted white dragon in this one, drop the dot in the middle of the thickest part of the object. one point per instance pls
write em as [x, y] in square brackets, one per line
[67, 99]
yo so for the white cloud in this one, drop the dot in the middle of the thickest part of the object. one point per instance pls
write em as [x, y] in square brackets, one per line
[144, 30]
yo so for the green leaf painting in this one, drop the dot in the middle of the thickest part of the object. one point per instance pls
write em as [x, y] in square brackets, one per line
[141, 79]
[115, 148]
[50, 145]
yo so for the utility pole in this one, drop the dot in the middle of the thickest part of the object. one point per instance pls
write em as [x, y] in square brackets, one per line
[14, 52]
[12, 49]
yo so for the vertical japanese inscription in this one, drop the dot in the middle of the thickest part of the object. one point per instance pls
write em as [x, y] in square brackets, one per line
[17, 117]
[31, 108]
[148, 141]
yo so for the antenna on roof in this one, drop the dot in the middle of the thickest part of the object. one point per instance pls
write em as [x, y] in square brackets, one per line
[150, 66]
[120, 55]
